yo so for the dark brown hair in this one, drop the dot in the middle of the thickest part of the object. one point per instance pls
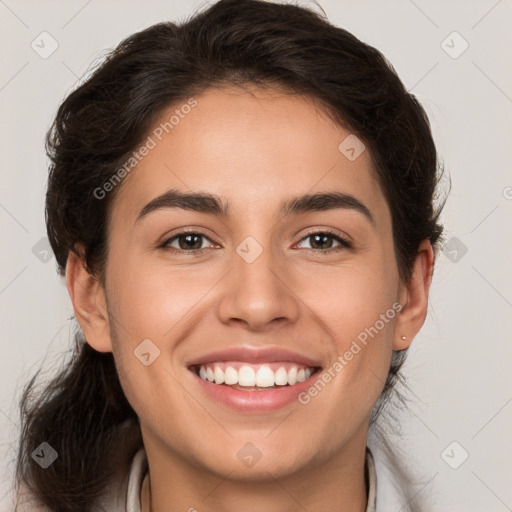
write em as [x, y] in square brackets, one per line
[83, 413]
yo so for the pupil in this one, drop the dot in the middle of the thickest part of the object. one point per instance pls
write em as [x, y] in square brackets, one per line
[189, 244]
[317, 237]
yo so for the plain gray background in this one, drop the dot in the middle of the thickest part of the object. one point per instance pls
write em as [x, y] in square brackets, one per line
[459, 366]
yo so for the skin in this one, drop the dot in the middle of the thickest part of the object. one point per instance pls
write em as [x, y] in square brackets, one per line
[292, 296]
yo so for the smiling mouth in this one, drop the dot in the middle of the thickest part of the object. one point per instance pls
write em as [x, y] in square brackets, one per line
[254, 377]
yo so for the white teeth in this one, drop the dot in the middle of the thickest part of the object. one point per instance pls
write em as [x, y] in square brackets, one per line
[246, 376]
[281, 377]
[219, 375]
[261, 376]
[230, 375]
[264, 377]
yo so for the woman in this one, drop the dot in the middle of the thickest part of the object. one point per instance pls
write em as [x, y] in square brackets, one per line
[242, 207]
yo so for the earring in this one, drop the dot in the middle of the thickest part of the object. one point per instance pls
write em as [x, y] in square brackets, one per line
[404, 337]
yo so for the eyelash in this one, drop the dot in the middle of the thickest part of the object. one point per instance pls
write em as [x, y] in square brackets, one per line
[344, 243]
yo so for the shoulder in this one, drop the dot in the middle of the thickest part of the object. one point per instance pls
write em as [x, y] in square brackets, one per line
[122, 494]
[24, 501]
[371, 481]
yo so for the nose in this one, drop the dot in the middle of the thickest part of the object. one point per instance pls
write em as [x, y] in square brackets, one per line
[259, 293]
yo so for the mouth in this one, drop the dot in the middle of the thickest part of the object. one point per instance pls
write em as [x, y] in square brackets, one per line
[244, 376]
[254, 380]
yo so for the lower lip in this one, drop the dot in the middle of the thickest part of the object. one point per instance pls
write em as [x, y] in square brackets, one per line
[254, 401]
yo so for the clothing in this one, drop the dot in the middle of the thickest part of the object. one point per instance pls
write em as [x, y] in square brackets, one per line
[130, 502]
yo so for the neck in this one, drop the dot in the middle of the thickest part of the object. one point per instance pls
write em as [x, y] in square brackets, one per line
[335, 485]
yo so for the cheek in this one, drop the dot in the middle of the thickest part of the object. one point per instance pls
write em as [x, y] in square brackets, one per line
[360, 317]
[354, 299]
[359, 307]
[150, 299]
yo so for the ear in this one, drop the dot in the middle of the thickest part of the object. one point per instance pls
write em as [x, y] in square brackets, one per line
[414, 297]
[89, 303]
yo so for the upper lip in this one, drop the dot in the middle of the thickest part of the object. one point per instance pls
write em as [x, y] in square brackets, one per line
[253, 355]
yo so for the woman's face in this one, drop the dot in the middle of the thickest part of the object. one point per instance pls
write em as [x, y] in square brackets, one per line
[287, 272]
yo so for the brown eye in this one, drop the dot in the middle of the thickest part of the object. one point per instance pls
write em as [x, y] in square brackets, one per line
[324, 240]
[186, 241]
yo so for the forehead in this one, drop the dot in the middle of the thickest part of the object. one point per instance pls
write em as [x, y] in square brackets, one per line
[253, 147]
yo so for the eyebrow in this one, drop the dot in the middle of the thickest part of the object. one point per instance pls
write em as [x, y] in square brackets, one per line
[212, 204]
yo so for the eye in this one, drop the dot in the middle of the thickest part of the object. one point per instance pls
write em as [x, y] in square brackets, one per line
[193, 242]
[323, 241]
[188, 241]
